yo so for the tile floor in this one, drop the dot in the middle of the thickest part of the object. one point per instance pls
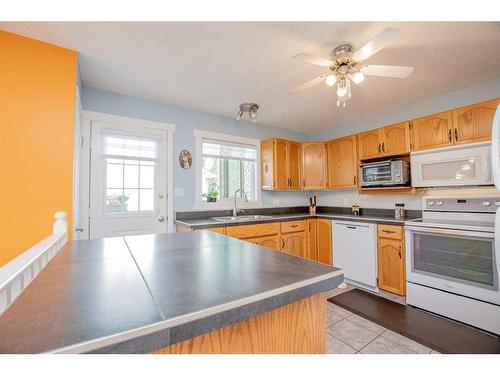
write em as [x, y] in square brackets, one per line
[348, 333]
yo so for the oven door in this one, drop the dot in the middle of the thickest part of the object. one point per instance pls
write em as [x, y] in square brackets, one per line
[377, 174]
[456, 261]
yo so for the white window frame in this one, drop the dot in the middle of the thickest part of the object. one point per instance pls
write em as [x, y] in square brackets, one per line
[224, 203]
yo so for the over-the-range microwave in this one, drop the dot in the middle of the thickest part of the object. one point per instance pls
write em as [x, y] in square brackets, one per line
[464, 165]
[384, 173]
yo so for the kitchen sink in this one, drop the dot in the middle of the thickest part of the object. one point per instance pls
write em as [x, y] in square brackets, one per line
[232, 219]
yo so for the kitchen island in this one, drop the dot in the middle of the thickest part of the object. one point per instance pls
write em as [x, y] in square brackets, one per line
[196, 292]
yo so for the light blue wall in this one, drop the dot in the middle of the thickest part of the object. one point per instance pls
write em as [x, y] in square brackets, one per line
[186, 121]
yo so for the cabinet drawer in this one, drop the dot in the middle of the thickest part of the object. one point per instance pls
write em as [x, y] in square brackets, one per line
[253, 230]
[293, 226]
[390, 231]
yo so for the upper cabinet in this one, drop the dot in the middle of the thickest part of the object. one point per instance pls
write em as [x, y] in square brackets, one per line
[369, 145]
[386, 141]
[342, 162]
[473, 123]
[432, 131]
[396, 139]
[314, 165]
[280, 164]
[462, 125]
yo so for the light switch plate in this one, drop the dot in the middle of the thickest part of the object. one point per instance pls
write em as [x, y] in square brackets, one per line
[179, 192]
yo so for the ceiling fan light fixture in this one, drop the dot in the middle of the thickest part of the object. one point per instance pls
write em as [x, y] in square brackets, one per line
[331, 80]
[358, 77]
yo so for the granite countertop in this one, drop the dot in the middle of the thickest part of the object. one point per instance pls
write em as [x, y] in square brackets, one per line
[200, 223]
[137, 294]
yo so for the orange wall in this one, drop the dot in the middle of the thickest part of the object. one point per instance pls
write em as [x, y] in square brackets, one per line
[37, 111]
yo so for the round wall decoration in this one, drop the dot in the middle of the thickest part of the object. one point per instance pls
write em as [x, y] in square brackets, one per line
[185, 159]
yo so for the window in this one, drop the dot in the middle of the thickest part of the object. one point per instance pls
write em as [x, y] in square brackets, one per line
[227, 165]
[130, 164]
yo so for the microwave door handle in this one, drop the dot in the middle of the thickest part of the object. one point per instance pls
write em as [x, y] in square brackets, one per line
[495, 148]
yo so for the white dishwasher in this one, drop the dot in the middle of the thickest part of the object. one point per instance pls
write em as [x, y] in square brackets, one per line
[355, 252]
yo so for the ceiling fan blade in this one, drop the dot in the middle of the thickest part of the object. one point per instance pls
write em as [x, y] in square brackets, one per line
[382, 40]
[392, 71]
[306, 85]
[316, 60]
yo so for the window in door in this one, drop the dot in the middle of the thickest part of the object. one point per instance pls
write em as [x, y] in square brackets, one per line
[130, 166]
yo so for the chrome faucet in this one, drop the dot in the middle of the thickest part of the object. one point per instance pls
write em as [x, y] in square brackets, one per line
[245, 198]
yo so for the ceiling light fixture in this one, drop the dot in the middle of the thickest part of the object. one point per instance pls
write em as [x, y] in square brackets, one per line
[250, 108]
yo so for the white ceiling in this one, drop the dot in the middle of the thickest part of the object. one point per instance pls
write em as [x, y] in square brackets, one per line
[213, 67]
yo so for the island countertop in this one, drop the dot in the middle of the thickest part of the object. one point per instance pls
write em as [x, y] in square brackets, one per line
[137, 294]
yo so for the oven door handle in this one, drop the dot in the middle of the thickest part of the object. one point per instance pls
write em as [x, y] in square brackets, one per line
[458, 232]
[495, 148]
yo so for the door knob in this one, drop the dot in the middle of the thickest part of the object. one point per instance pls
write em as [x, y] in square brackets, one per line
[161, 219]
[161, 196]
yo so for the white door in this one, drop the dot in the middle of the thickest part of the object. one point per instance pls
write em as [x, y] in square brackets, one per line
[127, 180]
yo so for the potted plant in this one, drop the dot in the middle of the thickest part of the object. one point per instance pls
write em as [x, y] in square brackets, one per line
[212, 194]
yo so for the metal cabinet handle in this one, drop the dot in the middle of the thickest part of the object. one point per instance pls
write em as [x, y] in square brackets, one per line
[449, 135]
[399, 251]
[388, 231]
[355, 180]
[456, 134]
[379, 146]
[383, 146]
[282, 243]
[293, 226]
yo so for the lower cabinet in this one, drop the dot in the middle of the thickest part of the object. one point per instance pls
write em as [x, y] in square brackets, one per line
[391, 259]
[294, 243]
[324, 241]
[272, 242]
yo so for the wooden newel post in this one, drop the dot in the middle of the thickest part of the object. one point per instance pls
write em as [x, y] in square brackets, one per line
[60, 225]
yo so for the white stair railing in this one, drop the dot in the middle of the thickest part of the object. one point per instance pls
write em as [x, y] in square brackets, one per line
[16, 275]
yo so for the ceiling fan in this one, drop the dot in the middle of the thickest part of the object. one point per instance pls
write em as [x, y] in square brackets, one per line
[346, 65]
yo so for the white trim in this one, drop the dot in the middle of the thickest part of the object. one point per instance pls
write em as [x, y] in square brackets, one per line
[77, 163]
[90, 345]
[198, 203]
[88, 117]
[130, 121]
[17, 274]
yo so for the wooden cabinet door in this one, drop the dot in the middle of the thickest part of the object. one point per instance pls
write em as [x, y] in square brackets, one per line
[314, 165]
[324, 241]
[293, 168]
[473, 123]
[312, 240]
[294, 243]
[342, 163]
[369, 145]
[267, 164]
[391, 265]
[272, 242]
[280, 164]
[433, 131]
[396, 139]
